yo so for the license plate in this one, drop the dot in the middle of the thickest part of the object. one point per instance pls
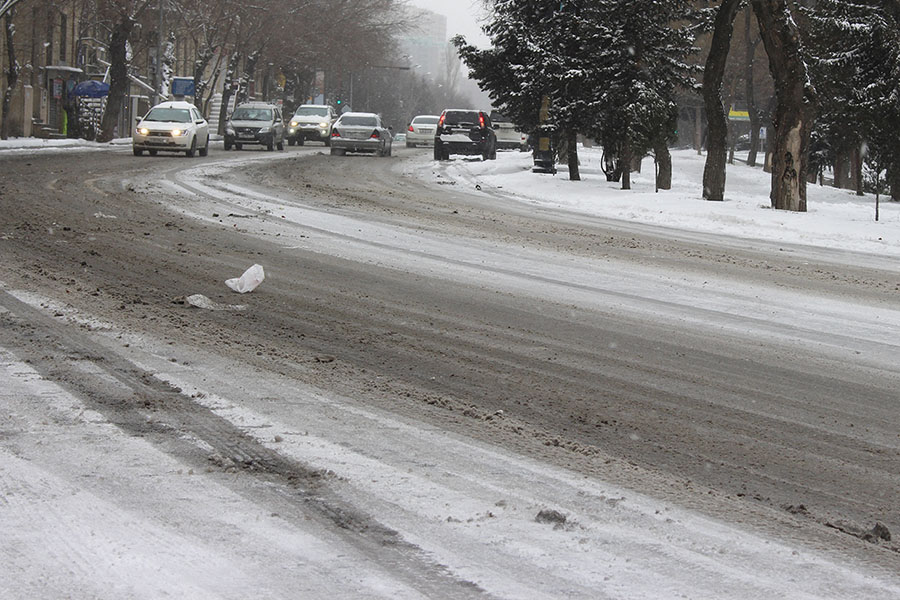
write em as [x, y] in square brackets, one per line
[248, 137]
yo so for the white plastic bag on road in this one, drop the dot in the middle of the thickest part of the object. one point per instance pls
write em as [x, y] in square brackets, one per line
[247, 282]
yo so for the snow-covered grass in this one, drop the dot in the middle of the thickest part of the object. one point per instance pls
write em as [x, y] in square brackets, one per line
[835, 218]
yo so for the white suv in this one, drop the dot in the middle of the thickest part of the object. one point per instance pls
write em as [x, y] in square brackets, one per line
[311, 122]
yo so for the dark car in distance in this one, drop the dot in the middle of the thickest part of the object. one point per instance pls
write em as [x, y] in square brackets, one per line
[465, 131]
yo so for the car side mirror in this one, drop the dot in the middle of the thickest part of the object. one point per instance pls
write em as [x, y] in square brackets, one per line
[495, 126]
[200, 122]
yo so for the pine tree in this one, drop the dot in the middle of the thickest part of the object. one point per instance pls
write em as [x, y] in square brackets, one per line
[856, 48]
[640, 65]
[609, 67]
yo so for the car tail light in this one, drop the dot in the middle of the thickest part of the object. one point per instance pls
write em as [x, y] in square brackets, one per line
[441, 122]
[481, 120]
[411, 129]
[335, 133]
[374, 135]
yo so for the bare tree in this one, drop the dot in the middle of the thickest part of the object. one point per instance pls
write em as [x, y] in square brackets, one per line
[7, 5]
[124, 15]
[713, 74]
[795, 103]
[12, 69]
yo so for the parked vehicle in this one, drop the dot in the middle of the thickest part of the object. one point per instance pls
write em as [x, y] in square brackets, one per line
[508, 137]
[255, 123]
[421, 131]
[311, 122]
[172, 126]
[360, 132]
[464, 131]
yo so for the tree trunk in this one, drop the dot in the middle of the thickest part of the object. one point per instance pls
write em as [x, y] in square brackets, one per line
[227, 90]
[795, 103]
[627, 157]
[856, 173]
[841, 170]
[12, 73]
[893, 178]
[717, 120]
[571, 142]
[243, 94]
[749, 91]
[118, 78]
[664, 165]
[698, 130]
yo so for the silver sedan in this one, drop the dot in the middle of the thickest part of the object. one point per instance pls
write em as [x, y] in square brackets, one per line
[360, 132]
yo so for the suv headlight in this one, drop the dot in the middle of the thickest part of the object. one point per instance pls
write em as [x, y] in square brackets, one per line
[265, 129]
[294, 123]
[143, 131]
[179, 132]
[323, 125]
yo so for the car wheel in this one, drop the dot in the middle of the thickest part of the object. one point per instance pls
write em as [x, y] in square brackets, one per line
[151, 152]
[270, 145]
[205, 149]
[300, 141]
[327, 141]
[238, 146]
[291, 141]
[438, 152]
[190, 153]
[336, 151]
[137, 151]
[227, 145]
[408, 145]
[445, 154]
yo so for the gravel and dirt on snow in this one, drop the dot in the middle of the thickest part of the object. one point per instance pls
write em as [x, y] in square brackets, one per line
[437, 391]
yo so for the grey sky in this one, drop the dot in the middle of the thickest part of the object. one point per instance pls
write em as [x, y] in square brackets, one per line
[462, 17]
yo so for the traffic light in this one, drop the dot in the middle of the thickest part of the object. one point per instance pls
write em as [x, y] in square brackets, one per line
[339, 101]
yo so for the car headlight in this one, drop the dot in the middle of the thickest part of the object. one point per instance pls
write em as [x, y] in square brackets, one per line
[294, 123]
[179, 132]
[265, 129]
[323, 124]
[144, 131]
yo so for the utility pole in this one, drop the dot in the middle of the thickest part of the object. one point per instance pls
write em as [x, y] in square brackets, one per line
[157, 75]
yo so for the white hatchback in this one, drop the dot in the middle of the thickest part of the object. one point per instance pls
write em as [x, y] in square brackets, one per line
[172, 126]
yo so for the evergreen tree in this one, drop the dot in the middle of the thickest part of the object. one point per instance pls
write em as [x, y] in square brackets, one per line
[856, 45]
[640, 64]
[609, 67]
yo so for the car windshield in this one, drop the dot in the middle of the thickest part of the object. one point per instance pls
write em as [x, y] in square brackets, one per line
[361, 121]
[252, 114]
[461, 117]
[169, 115]
[425, 120]
[498, 118]
[311, 111]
